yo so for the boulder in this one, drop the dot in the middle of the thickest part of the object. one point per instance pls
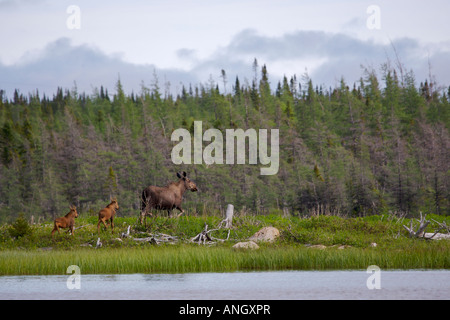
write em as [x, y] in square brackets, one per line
[265, 234]
[317, 246]
[246, 245]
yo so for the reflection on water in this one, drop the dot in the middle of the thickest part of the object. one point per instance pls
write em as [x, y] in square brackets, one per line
[287, 285]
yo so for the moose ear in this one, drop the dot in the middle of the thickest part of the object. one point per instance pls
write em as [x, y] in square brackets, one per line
[178, 175]
[184, 173]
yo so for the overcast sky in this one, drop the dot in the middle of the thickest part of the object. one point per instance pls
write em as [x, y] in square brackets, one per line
[192, 41]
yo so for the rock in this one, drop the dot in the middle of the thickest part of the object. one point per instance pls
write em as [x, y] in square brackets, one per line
[246, 245]
[345, 246]
[318, 246]
[265, 234]
[46, 248]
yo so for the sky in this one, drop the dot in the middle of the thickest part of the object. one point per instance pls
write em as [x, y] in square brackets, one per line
[88, 44]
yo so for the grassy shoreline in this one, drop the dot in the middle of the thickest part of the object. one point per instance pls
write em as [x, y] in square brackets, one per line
[37, 254]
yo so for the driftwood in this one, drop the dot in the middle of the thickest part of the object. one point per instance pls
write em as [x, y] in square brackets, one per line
[423, 224]
[126, 235]
[437, 235]
[227, 223]
[205, 237]
[157, 238]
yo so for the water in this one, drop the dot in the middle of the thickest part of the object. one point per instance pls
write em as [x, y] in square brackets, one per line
[286, 285]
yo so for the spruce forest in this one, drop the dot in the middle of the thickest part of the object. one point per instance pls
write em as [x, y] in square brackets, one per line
[376, 146]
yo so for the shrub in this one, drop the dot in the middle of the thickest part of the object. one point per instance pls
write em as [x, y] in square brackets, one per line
[20, 227]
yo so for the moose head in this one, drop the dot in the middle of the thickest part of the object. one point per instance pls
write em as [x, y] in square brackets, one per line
[73, 211]
[188, 183]
[114, 204]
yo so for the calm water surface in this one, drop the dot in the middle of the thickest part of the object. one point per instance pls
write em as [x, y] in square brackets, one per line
[287, 285]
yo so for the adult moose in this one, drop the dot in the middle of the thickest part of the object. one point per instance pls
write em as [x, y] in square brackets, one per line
[108, 213]
[166, 198]
[68, 221]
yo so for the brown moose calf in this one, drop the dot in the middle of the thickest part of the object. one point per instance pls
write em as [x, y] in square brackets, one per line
[108, 213]
[68, 221]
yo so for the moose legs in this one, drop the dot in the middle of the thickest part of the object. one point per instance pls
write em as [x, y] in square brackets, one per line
[103, 220]
[144, 215]
[55, 228]
[181, 211]
[58, 225]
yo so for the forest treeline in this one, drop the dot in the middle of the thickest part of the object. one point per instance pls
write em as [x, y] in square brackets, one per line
[379, 145]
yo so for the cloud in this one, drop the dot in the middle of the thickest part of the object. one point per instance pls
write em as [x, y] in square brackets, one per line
[61, 64]
[6, 4]
[326, 56]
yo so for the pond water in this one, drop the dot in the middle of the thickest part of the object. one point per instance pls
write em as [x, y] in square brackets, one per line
[272, 285]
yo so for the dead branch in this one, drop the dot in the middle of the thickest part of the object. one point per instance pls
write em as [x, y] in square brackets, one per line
[226, 223]
[126, 235]
[202, 236]
[442, 225]
[157, 238]
[423, 223]
[99, 244]
[438, 233]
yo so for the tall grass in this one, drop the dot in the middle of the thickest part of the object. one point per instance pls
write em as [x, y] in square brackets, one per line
[36, 253]
[189, 258]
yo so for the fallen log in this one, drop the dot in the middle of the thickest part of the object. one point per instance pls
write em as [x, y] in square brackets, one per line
[436, 236]
[157, 238]
[423, 223]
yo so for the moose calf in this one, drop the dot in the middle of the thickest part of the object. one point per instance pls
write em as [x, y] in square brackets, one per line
[68, 221]
[108, 213]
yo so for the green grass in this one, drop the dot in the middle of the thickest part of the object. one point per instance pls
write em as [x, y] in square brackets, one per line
[188, 258]
[38, 254]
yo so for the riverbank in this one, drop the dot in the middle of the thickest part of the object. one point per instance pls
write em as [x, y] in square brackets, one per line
[313, 243]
